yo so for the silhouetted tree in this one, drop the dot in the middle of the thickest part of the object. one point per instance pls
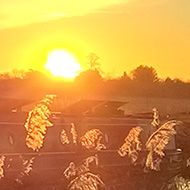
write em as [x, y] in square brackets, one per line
[88, 81]
[144, 74]
[125, 84]
[144, 79]
[125, 77]
[5, 76]
[16, 73]
[93, 60]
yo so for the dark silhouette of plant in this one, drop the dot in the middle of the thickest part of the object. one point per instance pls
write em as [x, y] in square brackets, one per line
[88, 82]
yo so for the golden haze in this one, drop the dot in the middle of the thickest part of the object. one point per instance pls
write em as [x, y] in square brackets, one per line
[123, 34]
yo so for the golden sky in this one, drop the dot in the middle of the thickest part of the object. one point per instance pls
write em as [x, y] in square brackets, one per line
[123, 33]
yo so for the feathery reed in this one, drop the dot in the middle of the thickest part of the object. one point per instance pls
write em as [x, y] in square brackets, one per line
[188, 162]
[157, 143]
[92, 140]
[181, 183]
[27, 168]
[64, 138]
[74, 133]
[37, 122]
[156, 121]
[87, 181]
[73, 170]
[132, 144]
[83, 178]
[2, 161]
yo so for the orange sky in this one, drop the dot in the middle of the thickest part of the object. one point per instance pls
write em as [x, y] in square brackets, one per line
[123, 33]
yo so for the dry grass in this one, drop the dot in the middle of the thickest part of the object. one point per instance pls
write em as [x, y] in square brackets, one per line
[27, 168]
[157, 143]
[73, 170]
[181, 183]
[177, 183]
[37, 122]
[156, 121]
[64, 138]
[74, 133]
[87, 181]
[188, 162]
[132, 144]
[92, 140]
[82, 178]
[2, 161]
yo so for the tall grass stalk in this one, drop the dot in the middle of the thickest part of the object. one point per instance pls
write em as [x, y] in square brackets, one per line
[132, 144]
[37, 122]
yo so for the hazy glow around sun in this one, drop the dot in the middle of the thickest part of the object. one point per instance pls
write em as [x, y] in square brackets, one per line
[61, 63]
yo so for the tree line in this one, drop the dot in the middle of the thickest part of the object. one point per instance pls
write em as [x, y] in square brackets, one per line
[143, 81]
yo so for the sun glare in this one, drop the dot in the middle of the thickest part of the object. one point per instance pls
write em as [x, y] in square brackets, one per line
[62, 64]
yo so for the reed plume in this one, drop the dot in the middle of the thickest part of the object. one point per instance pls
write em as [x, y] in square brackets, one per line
[74, 133]
[157, 143]
[188, 162]
[87, 181]
[27, 168]
[132, 144]
[83, 178]
[64, 138]
[181, 183]
[37, 122]
[73, 170]
[2, 161]
[156, 121]
[92, 140]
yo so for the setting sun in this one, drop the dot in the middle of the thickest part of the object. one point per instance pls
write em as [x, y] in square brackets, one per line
[63, 64]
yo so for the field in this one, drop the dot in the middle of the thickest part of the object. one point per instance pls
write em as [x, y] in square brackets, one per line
[165, 106]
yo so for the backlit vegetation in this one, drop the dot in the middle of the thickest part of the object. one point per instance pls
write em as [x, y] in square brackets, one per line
[143, 81]
[37, 123]
[63, 137]
[157, 143]
[181, 183]
[92, 139]
[27, 168]
[177, 183]
[132, 144]
[80, 177]
[2, 160]
[156, 121]
[74, 133]
[84, 179]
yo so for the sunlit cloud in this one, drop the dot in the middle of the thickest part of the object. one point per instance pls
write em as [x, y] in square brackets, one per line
[110, 12]
[54, 15]
[26, 12]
